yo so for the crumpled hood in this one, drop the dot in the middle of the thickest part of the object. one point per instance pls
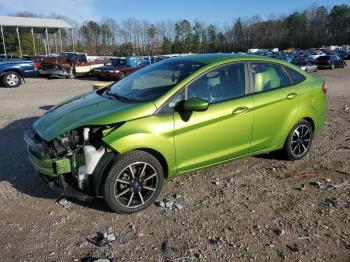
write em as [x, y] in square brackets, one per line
[88, 109]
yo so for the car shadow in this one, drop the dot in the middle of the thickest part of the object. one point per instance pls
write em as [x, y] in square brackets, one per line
[15, 166]
[17, 170]
[276, 155]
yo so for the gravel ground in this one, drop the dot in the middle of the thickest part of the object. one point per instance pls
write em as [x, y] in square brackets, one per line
[258, 208]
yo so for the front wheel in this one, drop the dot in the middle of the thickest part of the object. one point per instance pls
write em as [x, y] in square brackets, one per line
[299, 141]
[11, 79]
[134, 182]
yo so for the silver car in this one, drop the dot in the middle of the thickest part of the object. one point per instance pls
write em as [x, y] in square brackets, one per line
[307, 66]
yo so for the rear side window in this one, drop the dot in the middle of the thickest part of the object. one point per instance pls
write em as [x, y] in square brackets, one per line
[268, 76]
[294, 75]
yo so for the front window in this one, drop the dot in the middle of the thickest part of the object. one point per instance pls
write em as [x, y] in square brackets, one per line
[153, 81]
[223, 83]
[82, 58]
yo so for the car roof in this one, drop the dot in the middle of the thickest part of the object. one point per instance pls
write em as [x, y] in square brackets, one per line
[212, 58]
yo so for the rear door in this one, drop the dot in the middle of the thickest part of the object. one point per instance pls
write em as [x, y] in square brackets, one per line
[276, 104]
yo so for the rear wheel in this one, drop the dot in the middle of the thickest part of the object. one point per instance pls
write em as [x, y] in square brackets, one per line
[11, 79]
[134, 182]
[299, 141]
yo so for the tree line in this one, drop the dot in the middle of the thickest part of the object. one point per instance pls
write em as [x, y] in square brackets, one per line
[313, 27]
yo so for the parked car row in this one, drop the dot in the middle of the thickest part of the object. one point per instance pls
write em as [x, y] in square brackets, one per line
[73, 64]
[312, 60]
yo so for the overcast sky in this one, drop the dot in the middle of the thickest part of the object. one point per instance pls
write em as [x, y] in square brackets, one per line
[210, 11]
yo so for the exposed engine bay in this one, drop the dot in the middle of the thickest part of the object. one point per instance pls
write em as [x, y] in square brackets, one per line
[83, 147]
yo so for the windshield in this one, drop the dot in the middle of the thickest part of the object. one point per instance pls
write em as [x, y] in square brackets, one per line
[153, 81]
[116, 62]
[69, 56]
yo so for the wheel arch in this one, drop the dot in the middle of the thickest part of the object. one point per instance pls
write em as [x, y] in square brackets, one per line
[104, 165]
[161, 147]
[311, 121]
[12, 70]
[159, 157]
[307, 118]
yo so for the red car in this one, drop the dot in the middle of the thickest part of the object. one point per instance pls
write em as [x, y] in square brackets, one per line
[114, 69]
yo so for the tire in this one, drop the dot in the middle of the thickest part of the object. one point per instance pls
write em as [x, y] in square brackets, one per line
[296, 146]
[11, 79]
[124, 190]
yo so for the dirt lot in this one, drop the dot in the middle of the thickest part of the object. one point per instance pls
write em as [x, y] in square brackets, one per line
[257, 209]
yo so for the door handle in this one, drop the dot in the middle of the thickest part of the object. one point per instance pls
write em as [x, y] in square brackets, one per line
[240, 110]
[292, 96]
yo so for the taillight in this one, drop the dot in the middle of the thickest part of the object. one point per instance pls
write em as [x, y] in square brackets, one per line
[324, 87]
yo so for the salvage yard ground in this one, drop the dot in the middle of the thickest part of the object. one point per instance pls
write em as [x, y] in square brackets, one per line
[258, 208]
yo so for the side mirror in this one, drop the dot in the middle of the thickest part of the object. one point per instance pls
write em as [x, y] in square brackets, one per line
[195, 104]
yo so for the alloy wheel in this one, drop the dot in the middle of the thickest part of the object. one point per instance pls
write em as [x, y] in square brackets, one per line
[300, 141]
[135, 185]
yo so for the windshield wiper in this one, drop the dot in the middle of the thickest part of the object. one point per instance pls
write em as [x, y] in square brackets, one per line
[121, 98]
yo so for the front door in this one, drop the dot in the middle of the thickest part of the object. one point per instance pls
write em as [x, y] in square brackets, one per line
[221, 132]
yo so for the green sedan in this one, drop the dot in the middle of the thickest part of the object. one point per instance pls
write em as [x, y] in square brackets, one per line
[173, 117]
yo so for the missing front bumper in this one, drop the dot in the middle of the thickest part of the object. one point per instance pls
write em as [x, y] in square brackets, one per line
[59, 185]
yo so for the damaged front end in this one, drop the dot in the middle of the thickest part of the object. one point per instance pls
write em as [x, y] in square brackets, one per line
[58, 70]
[68, 162]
